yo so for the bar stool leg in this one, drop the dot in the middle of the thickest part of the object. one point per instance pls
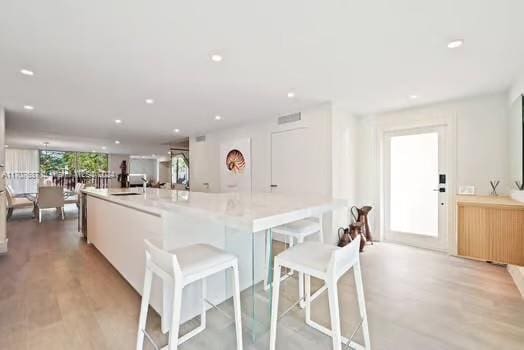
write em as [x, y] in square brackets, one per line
[321, 232]
[301, 281]
[308, 299]
[268, 258]
[175, 320]
[362, 304]
[144, 307]
[236, 302]
[204, 296]
[274, 306]
[335, 314]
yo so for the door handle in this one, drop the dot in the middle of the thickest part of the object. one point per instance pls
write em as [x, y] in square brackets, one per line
[273, 186]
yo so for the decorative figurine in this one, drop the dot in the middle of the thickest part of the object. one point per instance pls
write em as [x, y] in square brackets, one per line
[494, 185]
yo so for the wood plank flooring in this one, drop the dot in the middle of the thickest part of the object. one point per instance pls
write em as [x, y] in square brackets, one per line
[57, 292]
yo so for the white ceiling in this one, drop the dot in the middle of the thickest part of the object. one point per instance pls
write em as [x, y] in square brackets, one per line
[96, 61]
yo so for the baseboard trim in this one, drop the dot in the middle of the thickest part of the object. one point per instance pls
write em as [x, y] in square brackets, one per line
[517, 273]
[3, 247]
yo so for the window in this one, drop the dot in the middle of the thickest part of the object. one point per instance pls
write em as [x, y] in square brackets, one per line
[67, 163]
[180, 169]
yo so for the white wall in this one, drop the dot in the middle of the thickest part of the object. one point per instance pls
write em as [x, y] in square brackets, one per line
[144, 166]
[2, 135]
[479, 127]
[114, 161]
[317, 145]
[345, 167]
[3, 235]
[515, 141]
[164, 172]
[205, 162]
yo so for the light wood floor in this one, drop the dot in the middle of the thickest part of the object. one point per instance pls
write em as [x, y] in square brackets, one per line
[57, 292]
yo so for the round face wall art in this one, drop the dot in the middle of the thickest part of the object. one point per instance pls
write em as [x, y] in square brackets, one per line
[235, 161]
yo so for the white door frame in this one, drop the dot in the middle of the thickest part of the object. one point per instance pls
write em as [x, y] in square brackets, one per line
[419, 120]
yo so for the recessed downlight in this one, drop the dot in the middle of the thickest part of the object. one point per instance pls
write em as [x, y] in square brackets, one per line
[291, 94]
[176, 130]
[27, 72]
[218, 117]
[150, 101]
[29, 107]
[118, 121]
[6, 146]
[413, 97]
[455, 43]
[104, 147]
[117, 142]
[216, 57]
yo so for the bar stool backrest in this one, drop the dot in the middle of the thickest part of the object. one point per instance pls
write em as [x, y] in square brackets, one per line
[163, 263]
[344, 258]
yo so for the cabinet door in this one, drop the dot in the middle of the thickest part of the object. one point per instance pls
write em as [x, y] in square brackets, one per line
[473, 237]
[506, 228]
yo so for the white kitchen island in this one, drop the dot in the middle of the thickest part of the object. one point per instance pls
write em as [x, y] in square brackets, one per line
[118, 222]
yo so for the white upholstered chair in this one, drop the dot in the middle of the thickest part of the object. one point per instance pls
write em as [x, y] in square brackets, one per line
[328, 263]
[74, 197]
[50, 197]
[16, 202]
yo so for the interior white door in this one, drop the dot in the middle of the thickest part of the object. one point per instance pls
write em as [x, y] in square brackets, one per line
[290, 168]
[416, 197]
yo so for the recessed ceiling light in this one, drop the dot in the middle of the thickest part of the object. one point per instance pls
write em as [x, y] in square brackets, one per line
[118, 121]
[104, 147]
[176, 130]
[455, 43]
[217, 117]
[6, 146]
[29, 108]
[27, 72]
[117, 142]
[291, 94]
[150, 101]
[216, 57]
[413, 97]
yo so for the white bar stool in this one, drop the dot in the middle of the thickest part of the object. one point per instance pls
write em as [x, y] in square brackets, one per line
[328, 263]
[297, 230]
[178, 268]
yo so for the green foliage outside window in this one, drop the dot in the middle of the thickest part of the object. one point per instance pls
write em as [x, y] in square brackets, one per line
[69, 163]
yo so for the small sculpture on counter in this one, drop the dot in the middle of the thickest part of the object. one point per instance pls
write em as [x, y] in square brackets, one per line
[122, 177]
[494, 185]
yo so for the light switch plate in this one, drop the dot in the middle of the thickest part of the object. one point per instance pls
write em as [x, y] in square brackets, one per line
[467, 190]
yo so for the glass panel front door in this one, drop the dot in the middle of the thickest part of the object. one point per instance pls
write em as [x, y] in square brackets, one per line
[415, 187]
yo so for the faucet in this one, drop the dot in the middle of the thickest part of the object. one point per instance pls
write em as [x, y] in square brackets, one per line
[144, 180]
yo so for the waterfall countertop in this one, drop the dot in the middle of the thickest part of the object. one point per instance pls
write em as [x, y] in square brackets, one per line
[247, 211]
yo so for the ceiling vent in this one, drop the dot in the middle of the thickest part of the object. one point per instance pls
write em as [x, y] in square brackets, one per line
[201, 138]
[291, 118]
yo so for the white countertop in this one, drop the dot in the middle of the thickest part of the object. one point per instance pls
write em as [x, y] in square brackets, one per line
[249, 211]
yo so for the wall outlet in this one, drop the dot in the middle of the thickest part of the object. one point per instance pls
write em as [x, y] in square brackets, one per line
[467, 190]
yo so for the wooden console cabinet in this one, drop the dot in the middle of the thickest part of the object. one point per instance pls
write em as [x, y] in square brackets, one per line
[491, 229]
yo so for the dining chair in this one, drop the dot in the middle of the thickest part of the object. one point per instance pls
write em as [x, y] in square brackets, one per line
[14, 202]
[74, 197]
[50, 197]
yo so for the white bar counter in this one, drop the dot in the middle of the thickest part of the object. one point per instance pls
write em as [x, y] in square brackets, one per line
[117, 225]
